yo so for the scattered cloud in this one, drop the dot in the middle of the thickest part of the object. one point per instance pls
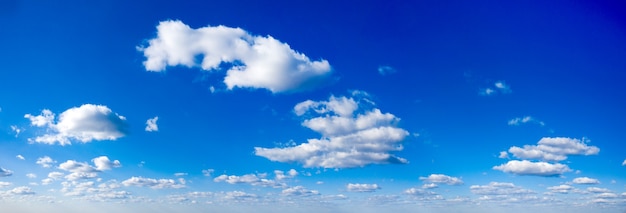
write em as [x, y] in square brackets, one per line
[504, 155]
[151, 124]
[442, 179]
[523, 120]
[597, 190]
[208, 172]
[417, 192]
[22, 190]
[5, 172]
[585, 180]
[255, 61]
[299, 191]
[45, 161]
[562, 189]
[526, 167]
[362, 187]
[20, 157]
[153, 183]
[499, 87]
[178, 174]
[624, 163]
[17, 130]
[352, 136]
[252, 179]
[5, 184]
[554, 149]
[82, 170]
[280, 175]
[429, 186]
[499, 188]
[386, 70]
[84, 124]
[103, 163]
[31, 175]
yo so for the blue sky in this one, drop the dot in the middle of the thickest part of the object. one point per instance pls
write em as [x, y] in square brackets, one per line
[434, 106]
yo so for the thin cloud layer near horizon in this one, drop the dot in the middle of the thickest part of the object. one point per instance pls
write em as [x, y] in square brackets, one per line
[241, 106]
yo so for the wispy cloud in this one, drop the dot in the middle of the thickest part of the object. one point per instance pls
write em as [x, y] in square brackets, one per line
[386, 70]
[523, 120]
[499, 87]
[585, 180]
[255, 61]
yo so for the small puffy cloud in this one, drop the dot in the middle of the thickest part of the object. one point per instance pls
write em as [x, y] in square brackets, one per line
[254, 61]
[554, 149]
[499, 87]
[386, 70]
[598, 190]
[299, 191]
[151, 124]
[563, 189]
[208, 172]
[84, 124]
[352, 135]
[280, 175]
[526, 167]
[5, 184]
[503, 155]
[22, 190]
[442, 179]
[499, 188]
[31, 175]
[152, 183]
[624, 163]
[5, 172]
[429, 186]
[103, 163]
[252, 179]
[17, 130]
[20, 157]
[45, 161]
[585, 180]
[362, 187]
[523, 120]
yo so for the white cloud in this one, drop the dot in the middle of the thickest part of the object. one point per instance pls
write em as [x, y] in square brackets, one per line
[499, 188]
[152, 183]
[429, 186]
[503, 155]
[280, 175]
[31, 175]
[418, 192]
[22, 190]
[563, 189]
[178, 174]
[81, 170]
[597, 190]
[20, 157]
[524, 120]
[85, 123]
[554, 149]
[525, 167]
[386, 70]
[299, 191]
[255, 61]
[252, 179]
[208, 172]
[5, 172]
[351, 136]
[45, 161]
[5, 184]
[585, 180]
[624, 163]
[441, 178]
[151, 124]
[103, 163]
[362, 187]
[499, 87]
[17, 130]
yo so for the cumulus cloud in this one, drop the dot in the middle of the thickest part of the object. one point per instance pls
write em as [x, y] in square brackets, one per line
[252, 179]
[499, 87]
[5, 172]
[299, 191]
[526, 167]
[585, 180]
[20, 157]
[386, 70]
[442, 179]
[82, 170]
[597, 190]
[503, 155]
[523, 120]
[45, 161]
[151, 124]
[4, 184]
[554, 149]
[254, 61]
[499, 188]
[418, 192]
[31, 175]
[22, 190]
[352, 135]
[362, 187]
[153, 183]
[84, 124]
[562, 189]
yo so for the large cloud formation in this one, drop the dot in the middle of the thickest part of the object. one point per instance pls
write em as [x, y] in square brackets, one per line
[86, 123]
[546, 153]
[255, 61]
[352, 136]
